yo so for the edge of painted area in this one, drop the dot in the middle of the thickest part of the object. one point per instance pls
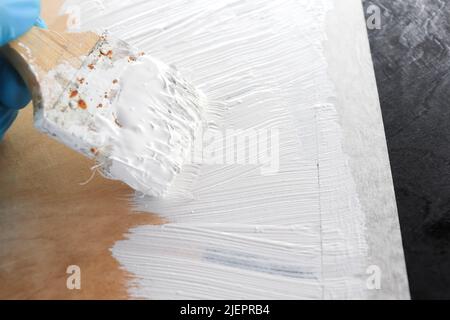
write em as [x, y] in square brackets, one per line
[361, 121]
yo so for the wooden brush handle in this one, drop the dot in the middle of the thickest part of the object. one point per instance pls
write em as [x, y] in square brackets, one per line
[39, 51]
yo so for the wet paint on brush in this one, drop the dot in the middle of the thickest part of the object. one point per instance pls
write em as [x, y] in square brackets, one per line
[137, 114]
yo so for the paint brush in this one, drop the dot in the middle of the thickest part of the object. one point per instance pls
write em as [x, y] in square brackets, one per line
[98, 95]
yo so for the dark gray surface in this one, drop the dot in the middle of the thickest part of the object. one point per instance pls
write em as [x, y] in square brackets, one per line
[412, 63]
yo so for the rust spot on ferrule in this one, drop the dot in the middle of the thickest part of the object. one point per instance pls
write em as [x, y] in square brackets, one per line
[82, 104]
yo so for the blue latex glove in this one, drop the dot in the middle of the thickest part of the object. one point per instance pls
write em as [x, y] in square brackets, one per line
[16, 18]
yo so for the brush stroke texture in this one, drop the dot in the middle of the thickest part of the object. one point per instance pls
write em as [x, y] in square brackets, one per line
[295, 233]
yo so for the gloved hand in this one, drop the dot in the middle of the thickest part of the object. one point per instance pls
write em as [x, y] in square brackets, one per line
[16, 18]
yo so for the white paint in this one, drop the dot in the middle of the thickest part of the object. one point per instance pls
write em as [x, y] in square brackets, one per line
[234, 233]
[134, 114]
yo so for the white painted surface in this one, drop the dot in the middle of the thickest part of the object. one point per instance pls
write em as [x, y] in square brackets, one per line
[306, 231]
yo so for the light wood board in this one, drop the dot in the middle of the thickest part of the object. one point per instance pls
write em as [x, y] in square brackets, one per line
[48, 221]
